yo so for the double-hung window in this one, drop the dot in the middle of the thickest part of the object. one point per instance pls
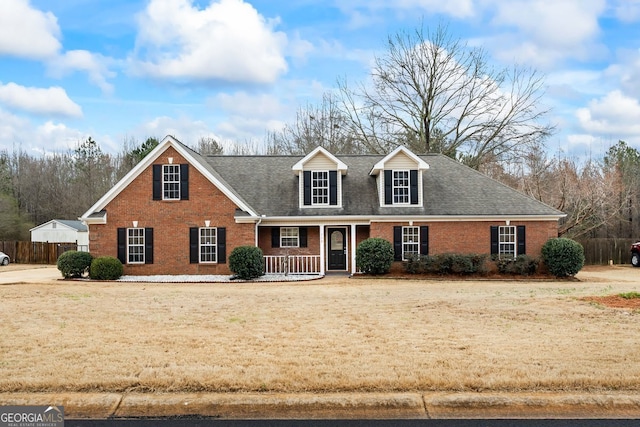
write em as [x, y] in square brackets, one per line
[171, 182]
[507, 241]
[135, 245]
[410, 241]
[400, 186]
[208, 244]
[320, 187]
[289, 237]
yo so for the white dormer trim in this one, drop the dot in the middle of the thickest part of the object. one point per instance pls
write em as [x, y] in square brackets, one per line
[340, 165]
[147, 161]
[380, 166]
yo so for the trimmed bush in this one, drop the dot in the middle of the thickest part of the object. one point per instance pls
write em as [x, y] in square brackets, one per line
[523, 265]
[374, 256]
[105, 268]
[563, 257]
[74, 263]
[449, 263]
[247, 262]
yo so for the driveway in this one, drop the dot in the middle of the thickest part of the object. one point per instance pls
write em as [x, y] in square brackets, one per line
[28, 273]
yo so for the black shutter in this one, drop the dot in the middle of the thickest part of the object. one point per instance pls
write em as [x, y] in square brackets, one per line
[157, 182]
[222, 245]
[122, 245]
[413, 186]
[275, 237]
[184, 182]
[388, 187]
[302, 234]
[424, 240]
[521, 239]
[148, 245]
[306, 176]
[194, 247]
[333, 188]
[494, 239]
[397, 243]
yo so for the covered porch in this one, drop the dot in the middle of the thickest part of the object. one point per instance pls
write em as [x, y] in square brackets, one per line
[310, 249]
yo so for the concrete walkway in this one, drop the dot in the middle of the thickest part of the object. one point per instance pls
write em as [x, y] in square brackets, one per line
[336, 405]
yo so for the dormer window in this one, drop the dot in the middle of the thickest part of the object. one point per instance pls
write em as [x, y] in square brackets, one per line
[320, 187]
[400, 187]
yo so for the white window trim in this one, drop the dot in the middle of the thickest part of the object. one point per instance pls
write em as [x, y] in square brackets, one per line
[165, 183]
[328, 188]
[129, 245]
[394, 187]
[416, 243]
[283, 237]
[503, 231]
[201, 245]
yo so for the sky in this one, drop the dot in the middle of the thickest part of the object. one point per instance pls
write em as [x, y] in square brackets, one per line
[233, 70]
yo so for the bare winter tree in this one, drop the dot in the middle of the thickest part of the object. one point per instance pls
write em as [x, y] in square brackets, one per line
[439, 94]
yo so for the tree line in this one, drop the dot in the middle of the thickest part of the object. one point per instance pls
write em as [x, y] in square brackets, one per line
[427, 91]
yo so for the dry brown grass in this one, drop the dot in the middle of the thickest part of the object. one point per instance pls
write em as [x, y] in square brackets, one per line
[335, 334]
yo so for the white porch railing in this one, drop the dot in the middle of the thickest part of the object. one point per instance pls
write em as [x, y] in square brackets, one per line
[292, 264]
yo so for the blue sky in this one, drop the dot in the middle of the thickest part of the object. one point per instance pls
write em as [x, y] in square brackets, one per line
[124, 70]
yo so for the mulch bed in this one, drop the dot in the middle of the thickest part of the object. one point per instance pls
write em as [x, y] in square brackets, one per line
[616, 301]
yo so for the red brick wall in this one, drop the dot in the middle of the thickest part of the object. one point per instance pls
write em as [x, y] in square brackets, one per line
[170, 221]
[313, 243]
[471, 236]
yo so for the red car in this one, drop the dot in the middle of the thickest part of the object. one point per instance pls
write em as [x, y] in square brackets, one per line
[635, 254]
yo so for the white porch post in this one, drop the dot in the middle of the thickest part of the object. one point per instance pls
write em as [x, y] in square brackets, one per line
[322, 250]
[353, 249]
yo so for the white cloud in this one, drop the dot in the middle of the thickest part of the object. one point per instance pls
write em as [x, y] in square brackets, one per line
[95, 65]
[228, 40]
[185, 129]
[53, 100]
[614, 115]
[627, 10]
[547, 32]
[27, 32]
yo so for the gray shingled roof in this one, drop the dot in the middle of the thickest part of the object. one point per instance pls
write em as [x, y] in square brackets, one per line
[78, 225]
[270, 187]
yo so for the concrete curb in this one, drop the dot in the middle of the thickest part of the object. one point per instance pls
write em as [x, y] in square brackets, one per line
[336, 405]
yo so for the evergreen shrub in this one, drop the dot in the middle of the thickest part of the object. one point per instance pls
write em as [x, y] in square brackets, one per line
[247, 262]
[106, 268]
[74, 263]
[374, 256]
[563, 257]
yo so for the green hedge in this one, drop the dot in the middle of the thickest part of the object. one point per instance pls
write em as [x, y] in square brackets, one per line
[246, 262]
[523, 265]
[563, 257]
[449, 263]
[106, 268]
[74, 263]
[374, 256]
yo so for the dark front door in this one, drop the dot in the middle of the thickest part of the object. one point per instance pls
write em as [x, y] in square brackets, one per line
[337, 249]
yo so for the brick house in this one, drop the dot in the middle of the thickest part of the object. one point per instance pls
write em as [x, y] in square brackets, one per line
[178, 212]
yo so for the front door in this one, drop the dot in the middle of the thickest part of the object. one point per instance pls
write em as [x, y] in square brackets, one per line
[337, 249]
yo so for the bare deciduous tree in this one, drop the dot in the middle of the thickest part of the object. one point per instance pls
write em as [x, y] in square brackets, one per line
[444, 94]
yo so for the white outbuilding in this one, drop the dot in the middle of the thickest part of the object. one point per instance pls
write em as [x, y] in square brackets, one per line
[62, 231]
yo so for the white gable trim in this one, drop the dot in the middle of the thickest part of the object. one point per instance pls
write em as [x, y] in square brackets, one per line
[380, 166]
[167, 142]
[340, 165]
[62, 224]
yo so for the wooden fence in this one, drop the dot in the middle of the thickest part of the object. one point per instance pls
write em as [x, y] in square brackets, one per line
[602, 250]
[35, 252]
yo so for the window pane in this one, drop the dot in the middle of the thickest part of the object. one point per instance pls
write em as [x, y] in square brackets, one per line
[289, 237]
[171, 182]
[410, 241]
[208, 244]
[320, 187]
[135, 245]
[400, 186]
[507, 241]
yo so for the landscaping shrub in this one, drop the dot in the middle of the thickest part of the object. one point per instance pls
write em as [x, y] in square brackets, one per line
[374, 256]
[563, 257]
[523, 265]
[449, 263]
[247, 262]
[105, 268]
[74, 263]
